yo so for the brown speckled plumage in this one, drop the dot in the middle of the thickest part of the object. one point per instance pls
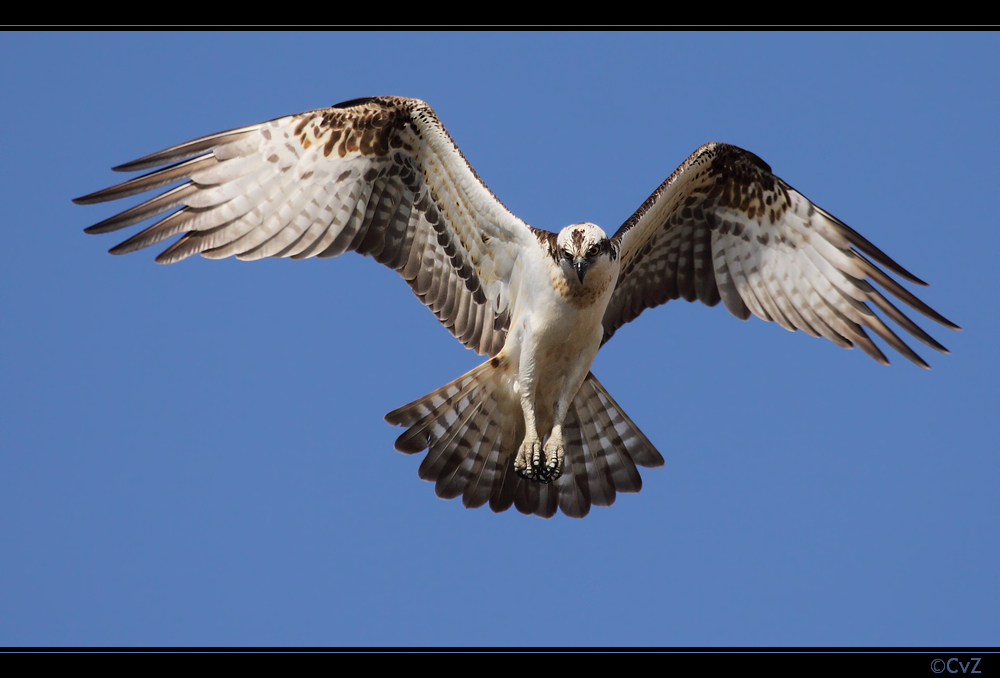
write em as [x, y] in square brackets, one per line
[687, 251]
[382, 128]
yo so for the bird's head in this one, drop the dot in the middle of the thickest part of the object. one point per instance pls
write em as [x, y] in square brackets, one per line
[583, 248]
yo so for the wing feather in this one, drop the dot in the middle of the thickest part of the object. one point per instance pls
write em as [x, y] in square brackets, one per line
[723, 227]
[379, 176]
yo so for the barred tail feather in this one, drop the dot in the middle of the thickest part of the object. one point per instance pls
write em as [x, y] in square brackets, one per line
[638, 446]
[472, 429]
[428, 418]
[603, 447]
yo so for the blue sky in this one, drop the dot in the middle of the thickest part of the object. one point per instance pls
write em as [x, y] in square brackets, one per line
[195, 454]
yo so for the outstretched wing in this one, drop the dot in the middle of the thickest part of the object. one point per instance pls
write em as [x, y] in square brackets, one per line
[722, 226]
[379, 176]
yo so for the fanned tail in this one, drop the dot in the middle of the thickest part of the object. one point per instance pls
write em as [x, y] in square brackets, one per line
[472, 429]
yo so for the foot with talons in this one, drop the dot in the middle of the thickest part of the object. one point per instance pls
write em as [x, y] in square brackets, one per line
[554, 456]
[529, 459]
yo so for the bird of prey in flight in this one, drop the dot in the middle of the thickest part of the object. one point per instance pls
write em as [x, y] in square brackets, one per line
[531, 427]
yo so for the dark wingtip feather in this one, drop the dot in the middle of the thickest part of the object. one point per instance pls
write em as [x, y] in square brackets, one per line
[879, 276]
[103, 195]
[134, 165]
[167, 156]
[127, 246]
[868, 248]
[186, 150]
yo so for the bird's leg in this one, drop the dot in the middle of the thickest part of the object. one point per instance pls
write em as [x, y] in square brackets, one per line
[554, 450]
[529, 456]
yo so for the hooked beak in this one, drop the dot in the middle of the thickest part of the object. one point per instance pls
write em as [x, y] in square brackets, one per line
[581, 265]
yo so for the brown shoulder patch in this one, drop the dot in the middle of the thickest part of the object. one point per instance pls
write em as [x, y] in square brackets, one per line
[547, 239]
[369, 125]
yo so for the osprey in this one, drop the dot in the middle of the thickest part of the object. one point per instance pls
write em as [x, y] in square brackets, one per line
[531, 427]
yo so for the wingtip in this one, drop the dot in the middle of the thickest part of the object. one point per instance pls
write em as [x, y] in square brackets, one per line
[941, 320]
[130, 166]
[165, 257]
[123, 248]
[107, 226]
[145, 162]
[90, 198]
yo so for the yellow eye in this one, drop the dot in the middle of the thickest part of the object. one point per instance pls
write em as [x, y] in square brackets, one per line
[592, 252]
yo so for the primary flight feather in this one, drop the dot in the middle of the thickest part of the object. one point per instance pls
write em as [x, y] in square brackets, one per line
[531, 427]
